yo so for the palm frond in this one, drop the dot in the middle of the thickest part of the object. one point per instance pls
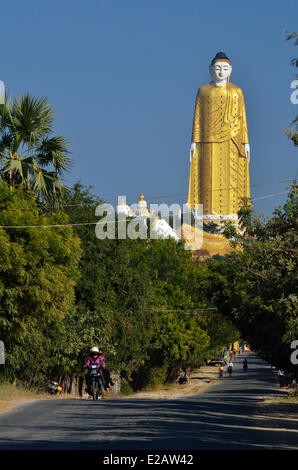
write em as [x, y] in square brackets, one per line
[6, 144]
[4, 113]
[29, 168]
[30, 119]
[39, 185]
[56, 190]
[12, 166]
[48, 187]
[54, 151]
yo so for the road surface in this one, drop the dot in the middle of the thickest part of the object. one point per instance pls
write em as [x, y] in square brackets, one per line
[230, 414]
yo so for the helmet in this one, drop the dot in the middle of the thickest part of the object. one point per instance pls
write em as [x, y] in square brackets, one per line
[94, 352]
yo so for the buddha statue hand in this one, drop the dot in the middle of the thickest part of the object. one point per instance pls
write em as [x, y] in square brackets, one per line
[192, 150]
[247, 151]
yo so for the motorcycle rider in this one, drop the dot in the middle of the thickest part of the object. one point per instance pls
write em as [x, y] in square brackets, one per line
[95, 358]
[245, 364]
[108, 382]
[230, 367]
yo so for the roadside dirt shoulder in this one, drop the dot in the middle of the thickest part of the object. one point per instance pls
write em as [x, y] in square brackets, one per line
[12, 396]
[8, 405]
[199, 380]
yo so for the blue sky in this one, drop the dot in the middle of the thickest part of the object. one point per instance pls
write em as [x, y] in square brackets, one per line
[122, 76]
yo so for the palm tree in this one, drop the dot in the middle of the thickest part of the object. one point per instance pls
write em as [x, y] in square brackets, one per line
[29, 156]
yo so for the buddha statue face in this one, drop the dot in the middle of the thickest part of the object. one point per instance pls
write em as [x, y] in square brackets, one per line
[220, 71]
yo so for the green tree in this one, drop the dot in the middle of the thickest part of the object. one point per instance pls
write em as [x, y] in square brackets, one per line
[136, 298]
[256, 287]
[29, 155]
[38, 272]
[184, 335]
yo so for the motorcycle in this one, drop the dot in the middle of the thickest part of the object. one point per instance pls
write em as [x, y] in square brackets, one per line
[245, 366]
[182, 377]
[230, 370]
[96, 382]
[54, 388]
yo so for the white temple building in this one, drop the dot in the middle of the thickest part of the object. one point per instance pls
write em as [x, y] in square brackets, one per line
[163, 229]
[123, 209]
[141, 208]
[159, 226]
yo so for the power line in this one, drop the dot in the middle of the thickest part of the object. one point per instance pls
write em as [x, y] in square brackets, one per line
[211, 190]
[219, 189]
[50, 226]
[208, 309]
[154, 196]
[270, 195]
[224, 189]
[86, 205]
[98, 222]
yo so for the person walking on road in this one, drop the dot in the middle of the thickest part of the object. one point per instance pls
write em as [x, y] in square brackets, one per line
[281, 377]
[230, 367]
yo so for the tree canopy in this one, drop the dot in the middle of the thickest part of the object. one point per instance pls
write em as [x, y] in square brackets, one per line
[256, 287]
[29, 154]
[38, 273]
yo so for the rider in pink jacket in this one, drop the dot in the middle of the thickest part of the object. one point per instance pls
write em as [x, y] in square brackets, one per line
[95, 359]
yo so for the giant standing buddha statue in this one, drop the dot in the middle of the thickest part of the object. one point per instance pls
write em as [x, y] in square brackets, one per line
[219, 153]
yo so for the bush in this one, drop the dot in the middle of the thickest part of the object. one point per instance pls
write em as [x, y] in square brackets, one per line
[126, 389]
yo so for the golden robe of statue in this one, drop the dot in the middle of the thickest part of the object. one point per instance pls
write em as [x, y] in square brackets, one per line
[219, 173]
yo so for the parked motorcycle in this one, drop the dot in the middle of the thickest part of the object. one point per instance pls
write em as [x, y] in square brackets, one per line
[54, 387]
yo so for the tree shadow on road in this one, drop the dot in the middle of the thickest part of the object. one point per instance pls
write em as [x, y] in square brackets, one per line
[195, 423]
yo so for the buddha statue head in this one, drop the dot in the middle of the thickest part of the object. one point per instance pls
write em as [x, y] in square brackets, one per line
[220, 68]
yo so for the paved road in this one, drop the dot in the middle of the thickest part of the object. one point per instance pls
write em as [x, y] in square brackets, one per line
[229, 415]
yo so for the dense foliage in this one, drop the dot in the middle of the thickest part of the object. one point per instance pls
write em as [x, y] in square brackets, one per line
[136, 299]
[146, 302]
[38, 272]
[256, 287]
[63, 290]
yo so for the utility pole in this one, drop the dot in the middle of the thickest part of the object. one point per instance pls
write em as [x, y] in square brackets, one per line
[2, 92]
